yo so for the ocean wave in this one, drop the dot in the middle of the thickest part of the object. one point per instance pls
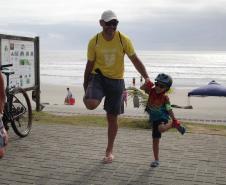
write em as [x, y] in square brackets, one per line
[185, 68]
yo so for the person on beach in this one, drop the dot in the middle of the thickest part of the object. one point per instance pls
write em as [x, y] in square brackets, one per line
[159, 110]
[3, 133]
[125, 96]
[68, 96]
[124, 99]
[104, 73]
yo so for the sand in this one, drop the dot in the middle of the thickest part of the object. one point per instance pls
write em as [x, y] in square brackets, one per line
[205, 109]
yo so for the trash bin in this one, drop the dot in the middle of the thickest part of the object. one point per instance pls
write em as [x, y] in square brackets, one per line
[136, 101]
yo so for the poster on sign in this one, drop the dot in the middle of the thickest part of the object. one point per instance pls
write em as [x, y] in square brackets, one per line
[21, 55]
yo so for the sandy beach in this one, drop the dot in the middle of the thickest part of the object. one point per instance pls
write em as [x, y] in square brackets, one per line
[205, 109]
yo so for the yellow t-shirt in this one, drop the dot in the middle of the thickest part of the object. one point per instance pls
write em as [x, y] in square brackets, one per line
[109, 55]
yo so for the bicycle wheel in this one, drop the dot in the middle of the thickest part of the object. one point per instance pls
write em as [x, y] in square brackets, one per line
[21, 112]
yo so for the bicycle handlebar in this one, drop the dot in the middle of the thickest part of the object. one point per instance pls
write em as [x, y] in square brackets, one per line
[5, 65]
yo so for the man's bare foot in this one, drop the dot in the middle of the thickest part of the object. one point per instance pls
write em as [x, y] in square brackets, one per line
[108, 158]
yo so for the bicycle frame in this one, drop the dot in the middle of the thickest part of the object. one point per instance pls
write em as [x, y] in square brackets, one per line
[7, 116]
[22, 109]
[17, 109]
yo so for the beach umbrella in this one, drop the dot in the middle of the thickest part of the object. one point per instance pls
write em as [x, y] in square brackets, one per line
[212, 89]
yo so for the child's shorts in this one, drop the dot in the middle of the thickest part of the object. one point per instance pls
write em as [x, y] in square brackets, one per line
[155, 130]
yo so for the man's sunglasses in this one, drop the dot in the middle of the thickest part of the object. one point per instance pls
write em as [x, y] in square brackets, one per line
[111, 23]
[162, 86]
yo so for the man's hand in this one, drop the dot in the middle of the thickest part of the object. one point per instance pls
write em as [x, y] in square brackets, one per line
[149, 84]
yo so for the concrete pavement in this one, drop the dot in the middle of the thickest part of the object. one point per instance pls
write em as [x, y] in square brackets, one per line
[70, 155]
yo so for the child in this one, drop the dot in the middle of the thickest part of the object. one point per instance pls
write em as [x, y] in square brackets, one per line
[3, 139]
[159, 109]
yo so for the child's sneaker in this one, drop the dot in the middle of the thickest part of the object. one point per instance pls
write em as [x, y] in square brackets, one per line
[154, 164]
[181, 129]
[176, 124]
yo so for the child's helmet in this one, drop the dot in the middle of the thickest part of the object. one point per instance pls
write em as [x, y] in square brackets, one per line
[164, 79]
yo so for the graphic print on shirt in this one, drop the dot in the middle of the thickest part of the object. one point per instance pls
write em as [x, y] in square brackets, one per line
[109, 56]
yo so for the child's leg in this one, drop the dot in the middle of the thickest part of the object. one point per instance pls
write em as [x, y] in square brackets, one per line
[164, 127]
[158, 128]
[155, 148]
[176, 124]
[156, 135]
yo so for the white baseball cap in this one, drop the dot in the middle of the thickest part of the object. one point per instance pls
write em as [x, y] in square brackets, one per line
[108, 15]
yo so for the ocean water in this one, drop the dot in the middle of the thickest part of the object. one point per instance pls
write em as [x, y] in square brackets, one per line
[188, 69]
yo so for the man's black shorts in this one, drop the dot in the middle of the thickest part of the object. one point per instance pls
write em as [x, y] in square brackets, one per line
[100, 86]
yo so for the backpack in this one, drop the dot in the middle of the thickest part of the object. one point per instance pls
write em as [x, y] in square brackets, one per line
[119, 38]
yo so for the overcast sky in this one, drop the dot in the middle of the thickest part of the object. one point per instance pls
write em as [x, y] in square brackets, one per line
[151, 24]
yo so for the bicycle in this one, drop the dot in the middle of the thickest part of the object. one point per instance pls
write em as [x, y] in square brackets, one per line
[17, 109]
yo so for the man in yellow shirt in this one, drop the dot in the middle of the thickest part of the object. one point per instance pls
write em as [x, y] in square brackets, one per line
[104, 73]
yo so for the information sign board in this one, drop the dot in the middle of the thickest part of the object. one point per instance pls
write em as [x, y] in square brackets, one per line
[21, 55]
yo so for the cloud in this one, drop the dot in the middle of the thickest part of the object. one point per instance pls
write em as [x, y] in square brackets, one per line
[56, 36]
[152, 24]
[58, 11]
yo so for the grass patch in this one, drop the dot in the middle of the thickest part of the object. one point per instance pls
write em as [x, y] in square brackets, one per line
[43, 117]
[206, 128]
[142, 123]
[87, 120]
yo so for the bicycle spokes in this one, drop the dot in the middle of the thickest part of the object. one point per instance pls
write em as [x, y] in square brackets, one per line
[21, 113]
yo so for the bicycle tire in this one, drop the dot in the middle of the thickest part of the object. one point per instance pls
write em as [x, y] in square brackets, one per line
[20, 109]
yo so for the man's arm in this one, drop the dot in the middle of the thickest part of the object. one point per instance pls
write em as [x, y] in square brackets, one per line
[88, 70]
[139, 67]
[2, 94]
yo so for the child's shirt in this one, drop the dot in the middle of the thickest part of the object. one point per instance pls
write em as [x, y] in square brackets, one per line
[158, 106]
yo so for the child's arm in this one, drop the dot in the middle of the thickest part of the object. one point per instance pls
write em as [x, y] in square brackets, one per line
[175, 123]
[169, 109]
[171, 114]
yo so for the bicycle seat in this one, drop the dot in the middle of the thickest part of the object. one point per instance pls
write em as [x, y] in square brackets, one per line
[8, 72]
[2, 67]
